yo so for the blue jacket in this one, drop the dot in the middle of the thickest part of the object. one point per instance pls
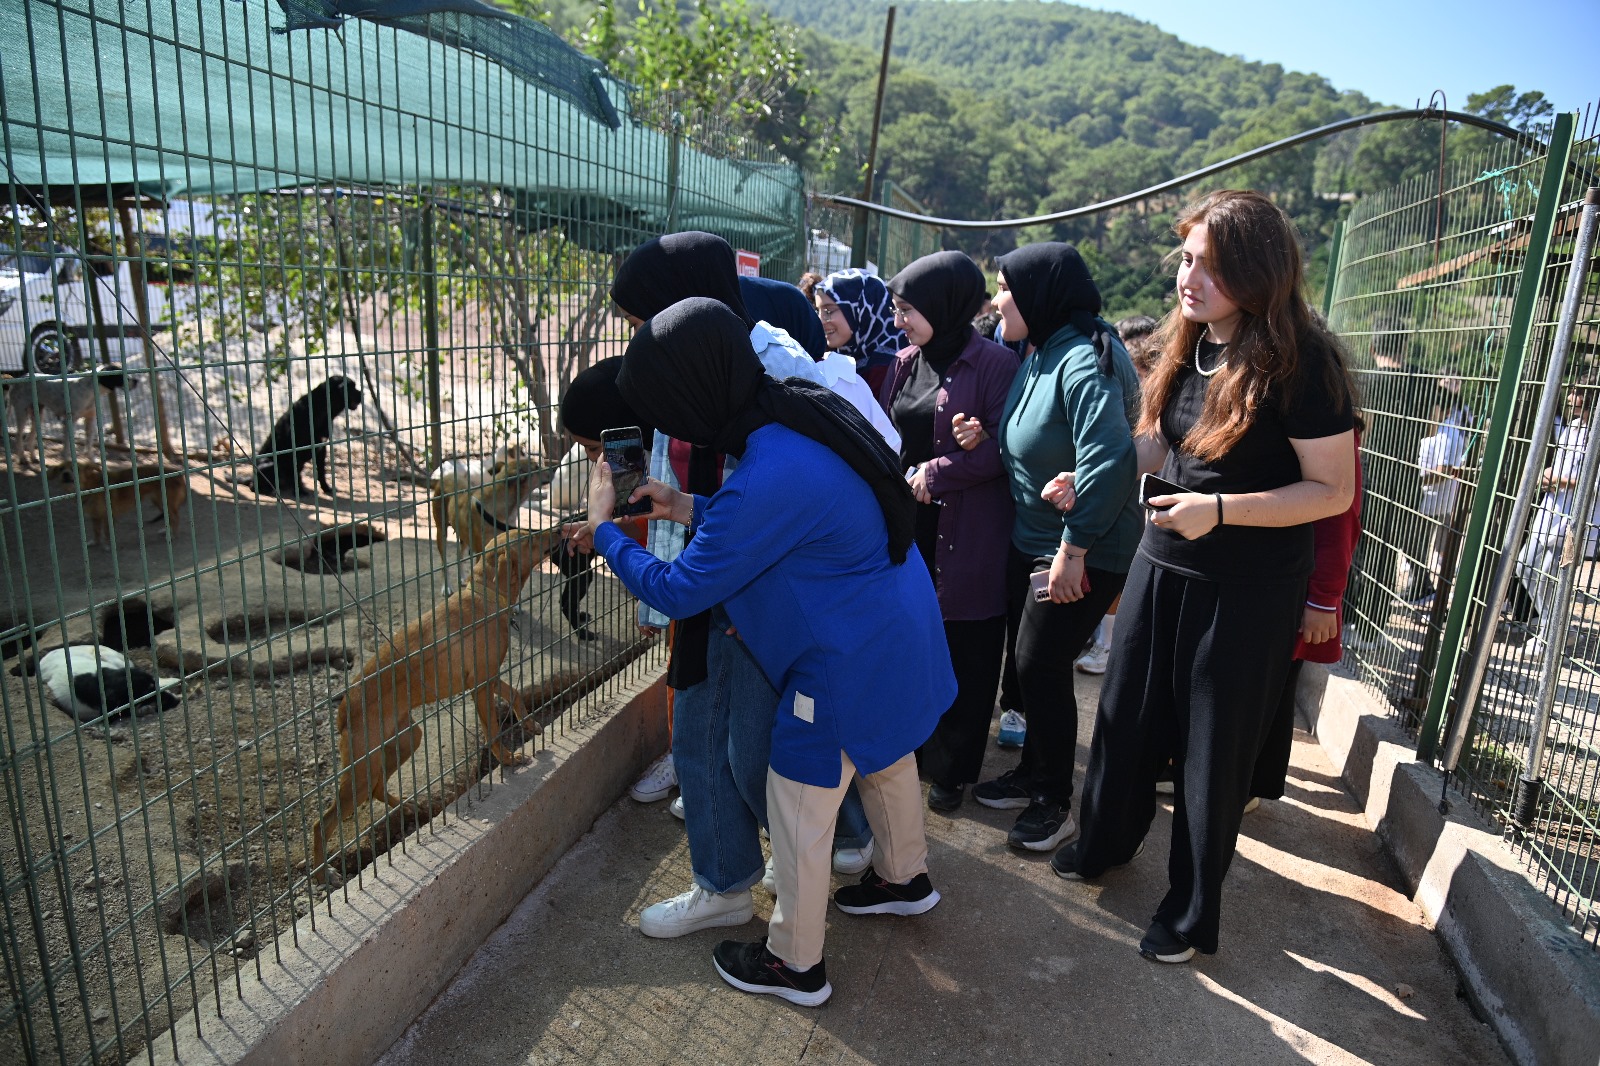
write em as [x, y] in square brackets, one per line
[794, 547]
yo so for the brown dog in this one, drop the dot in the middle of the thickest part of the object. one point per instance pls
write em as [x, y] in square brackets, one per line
[479, 504]
[105, 493]
[456, 648]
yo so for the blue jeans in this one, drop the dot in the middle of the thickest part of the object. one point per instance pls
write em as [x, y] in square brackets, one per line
[721, 745]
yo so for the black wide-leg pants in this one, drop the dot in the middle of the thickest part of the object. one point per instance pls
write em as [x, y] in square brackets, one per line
[1196, 677]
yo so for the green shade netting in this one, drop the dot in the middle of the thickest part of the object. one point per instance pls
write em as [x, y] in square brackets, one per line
[202, 97]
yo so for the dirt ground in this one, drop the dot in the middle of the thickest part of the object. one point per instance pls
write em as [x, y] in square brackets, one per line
[165, 851]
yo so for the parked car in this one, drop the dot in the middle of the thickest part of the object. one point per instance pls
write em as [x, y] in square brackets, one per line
[48, 323]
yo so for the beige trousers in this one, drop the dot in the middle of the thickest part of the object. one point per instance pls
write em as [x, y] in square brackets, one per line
[801, 821]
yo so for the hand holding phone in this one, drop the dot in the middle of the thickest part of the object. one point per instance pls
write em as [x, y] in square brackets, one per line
[1039, 582]
[1151, 486]
[625, 455]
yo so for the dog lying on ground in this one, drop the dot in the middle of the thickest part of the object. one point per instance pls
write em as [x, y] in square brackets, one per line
[70, 397]
[479, 504]
[456, 648]
[92, 682]
[108, 492]
[301, 436]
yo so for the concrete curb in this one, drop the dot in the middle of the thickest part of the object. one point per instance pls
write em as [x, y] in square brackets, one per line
[1535, 979]
[350, 986]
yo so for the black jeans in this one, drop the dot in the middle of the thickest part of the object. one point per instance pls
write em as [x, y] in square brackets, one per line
[954, 754]
[1049, 637]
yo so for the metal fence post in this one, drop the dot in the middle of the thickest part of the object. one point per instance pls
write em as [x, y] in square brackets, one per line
[1333, 268]
[1499, 424]
[430, 335]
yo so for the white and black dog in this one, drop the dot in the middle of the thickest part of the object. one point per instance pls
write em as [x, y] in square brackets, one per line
[92, 681]
[70, 397]
[301, 436]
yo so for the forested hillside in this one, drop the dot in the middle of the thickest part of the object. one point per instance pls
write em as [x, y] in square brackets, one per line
[1007, 109]
[1011, 108]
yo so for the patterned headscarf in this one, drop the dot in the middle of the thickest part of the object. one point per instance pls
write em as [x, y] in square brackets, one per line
[868, 310]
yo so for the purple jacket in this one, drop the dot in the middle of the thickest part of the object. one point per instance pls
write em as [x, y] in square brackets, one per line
[975, 521]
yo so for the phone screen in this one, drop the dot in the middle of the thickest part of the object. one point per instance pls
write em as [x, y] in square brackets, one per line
[1150, 485]
[625, 455]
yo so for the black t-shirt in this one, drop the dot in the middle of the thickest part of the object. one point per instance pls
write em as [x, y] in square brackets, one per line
[912, 412]
[1263, 459]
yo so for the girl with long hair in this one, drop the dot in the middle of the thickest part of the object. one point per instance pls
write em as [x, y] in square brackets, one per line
[1250, 411]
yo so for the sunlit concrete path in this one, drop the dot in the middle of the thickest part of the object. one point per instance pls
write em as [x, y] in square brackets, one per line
[1323, 960]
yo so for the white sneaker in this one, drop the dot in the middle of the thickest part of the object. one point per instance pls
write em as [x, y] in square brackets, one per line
[1094, 660]
[696, 909]
[1013, 730]
[677, 806]
[852, 860]
[769, 880]
[658, 781]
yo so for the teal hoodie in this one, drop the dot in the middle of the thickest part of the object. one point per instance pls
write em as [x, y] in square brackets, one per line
[1063, 414]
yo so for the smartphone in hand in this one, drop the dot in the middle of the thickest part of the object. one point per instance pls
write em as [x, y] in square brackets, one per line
[625, 455]
[1150, 485]
[1039, 582]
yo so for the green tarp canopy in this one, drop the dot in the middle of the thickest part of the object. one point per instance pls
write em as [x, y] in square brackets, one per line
[215, 97]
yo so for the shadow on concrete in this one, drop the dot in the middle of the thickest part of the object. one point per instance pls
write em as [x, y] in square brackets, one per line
[1321, 961]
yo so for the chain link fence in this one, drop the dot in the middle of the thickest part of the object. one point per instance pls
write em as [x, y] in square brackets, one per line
[1448, 292]
[285, 319]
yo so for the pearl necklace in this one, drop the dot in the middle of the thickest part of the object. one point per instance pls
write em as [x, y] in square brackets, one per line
[1221, 362]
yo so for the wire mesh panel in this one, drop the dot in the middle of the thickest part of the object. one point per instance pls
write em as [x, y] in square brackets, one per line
[891, 242]
[286, 319]
[1426, 297]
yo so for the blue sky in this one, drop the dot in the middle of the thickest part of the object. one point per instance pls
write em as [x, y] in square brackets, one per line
[1396, 51]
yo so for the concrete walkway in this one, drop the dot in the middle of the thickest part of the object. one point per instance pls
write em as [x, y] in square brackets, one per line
[1323, 960]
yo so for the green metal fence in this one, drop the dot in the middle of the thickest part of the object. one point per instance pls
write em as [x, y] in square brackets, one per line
[237, 217]
[1447, 292]
[891, 242]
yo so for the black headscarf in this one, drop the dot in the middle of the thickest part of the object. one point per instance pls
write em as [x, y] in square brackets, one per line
[664, 270]
[947, 288]
[1051, 286]
[592, 404]
[690, 372]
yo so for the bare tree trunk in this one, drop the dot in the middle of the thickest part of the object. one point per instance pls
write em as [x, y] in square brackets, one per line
[352, 309]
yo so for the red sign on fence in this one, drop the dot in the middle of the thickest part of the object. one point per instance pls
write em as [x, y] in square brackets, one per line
[749, 263]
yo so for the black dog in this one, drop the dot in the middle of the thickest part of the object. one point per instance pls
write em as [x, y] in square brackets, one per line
[301, 436]
[577, 572]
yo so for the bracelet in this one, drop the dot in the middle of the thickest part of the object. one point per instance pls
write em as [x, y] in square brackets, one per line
[1069, 555]
[690, 523]
[1218, 495]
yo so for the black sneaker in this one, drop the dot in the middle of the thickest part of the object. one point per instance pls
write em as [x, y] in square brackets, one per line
[1042, 826]
[752, 968]
[1161, 944]
[942, 798]
[1008, 792]
[874, 895]
[1065, 862]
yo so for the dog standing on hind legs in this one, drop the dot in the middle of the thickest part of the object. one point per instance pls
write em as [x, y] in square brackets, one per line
[456, 648]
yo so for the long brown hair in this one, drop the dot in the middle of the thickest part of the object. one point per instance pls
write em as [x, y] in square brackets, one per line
[1254, 259]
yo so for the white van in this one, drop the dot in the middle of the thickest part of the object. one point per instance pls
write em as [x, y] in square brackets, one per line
[47, 323]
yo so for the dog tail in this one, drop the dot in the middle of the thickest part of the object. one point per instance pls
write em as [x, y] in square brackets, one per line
[437, 504]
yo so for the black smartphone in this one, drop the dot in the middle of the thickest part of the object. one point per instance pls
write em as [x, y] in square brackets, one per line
[1151, 485]
[625, 455]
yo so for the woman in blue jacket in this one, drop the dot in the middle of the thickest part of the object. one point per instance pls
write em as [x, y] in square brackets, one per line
[806, 545]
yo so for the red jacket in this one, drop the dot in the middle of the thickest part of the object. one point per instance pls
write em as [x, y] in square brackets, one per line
[1336, 538]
